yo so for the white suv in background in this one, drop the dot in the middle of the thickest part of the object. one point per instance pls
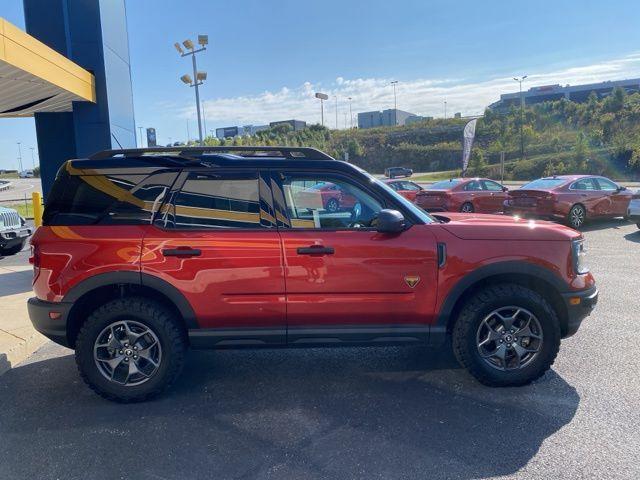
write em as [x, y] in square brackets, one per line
[633, 212]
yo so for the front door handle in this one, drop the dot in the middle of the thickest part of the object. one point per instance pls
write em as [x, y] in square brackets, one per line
[315, 250]
[181, 252]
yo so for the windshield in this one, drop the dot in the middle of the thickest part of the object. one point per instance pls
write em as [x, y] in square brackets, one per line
[444, 185]
[543, 184]
[418, 212]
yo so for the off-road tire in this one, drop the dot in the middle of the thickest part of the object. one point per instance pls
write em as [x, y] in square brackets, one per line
[478, 307]
[12, 250]
[156, 317]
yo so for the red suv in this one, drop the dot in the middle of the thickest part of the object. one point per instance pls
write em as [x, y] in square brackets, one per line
[145, 253]
[570, 198]
[467, 195]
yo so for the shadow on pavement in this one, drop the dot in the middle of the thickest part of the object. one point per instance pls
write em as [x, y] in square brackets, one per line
[594, 225]
[633, 237]
[319, 413]
[12, 283]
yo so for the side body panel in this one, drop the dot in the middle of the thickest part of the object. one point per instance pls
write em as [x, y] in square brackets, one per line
[70, 255]
[237, 281]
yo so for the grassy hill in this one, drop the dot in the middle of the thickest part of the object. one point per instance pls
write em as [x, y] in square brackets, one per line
[601, 136]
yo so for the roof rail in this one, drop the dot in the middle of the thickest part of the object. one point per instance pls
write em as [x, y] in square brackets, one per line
[297, 153]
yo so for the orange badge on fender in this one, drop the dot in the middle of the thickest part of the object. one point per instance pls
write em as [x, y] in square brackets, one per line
[412, 280]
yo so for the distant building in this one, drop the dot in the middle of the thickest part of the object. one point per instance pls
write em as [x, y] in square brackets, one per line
[415, 119]
[253, 129]
[296, 125]
[576, 93]
[228, 132]
[386, 118]
[231, 132]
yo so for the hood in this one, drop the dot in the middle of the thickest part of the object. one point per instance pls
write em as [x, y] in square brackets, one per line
[473, 226]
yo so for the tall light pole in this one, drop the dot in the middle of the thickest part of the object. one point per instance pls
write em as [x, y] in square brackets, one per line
[350, 114]
[198, 77]
[33, 159]
[322, 97]
[20, 155]
[141, 137]
[395, 102]
[445, 109]
[520, 80]
[336, 112]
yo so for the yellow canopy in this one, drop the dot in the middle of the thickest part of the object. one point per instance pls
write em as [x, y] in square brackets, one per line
[35, 78]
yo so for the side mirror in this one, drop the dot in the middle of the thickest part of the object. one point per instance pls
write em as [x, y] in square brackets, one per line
[390, 221]
[505, 189]
[621, 188]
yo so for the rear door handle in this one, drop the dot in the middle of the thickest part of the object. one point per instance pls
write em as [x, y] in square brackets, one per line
[181, 252]
[315, 250]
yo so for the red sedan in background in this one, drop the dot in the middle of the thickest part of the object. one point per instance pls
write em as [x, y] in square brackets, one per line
[570, 198]
[467, 195]
[405, 188]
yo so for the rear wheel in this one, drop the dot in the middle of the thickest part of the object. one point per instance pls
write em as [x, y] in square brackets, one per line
[506, 335]
[130, 349]
[467, 207]
[577, 216]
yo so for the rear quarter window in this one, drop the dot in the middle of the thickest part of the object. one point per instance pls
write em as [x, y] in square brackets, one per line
[105, 199]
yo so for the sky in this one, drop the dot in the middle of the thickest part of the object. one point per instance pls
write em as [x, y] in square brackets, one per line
[266, 59]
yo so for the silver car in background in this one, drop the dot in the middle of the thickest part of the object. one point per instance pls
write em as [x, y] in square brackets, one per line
[633, 212]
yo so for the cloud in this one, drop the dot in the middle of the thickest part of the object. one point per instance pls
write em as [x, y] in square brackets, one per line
[421, 96]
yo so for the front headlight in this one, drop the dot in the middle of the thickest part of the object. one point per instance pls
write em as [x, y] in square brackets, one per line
[579, 256]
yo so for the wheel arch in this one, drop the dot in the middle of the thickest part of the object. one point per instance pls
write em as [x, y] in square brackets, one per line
[528, 275]
[99, 289]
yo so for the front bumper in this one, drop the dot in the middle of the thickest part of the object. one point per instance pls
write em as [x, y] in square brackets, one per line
[54, 329]
[10, 238]
[633, 212]
[579, 306]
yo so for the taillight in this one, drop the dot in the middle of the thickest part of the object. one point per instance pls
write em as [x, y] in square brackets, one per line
[34, 258]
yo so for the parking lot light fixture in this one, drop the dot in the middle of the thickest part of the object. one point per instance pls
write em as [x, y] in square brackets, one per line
[198, 76]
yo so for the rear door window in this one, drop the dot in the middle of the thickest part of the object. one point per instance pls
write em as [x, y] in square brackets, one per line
[584, 184]
[220, 200]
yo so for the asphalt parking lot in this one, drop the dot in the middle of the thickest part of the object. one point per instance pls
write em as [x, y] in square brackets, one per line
[349, 413]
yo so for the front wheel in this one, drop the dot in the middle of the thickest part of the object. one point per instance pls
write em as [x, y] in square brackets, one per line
[333, 205]
[577, 216]
[506, 335]
[12, 250]
[130, 349]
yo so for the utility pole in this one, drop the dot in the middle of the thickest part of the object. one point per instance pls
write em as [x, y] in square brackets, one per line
[336, 112]
[520, 80]
[198, 77]
[445, 109]
[33, 159]
[350, 115]
[20, 155]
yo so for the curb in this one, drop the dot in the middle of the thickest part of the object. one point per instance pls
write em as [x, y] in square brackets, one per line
[20, 351]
